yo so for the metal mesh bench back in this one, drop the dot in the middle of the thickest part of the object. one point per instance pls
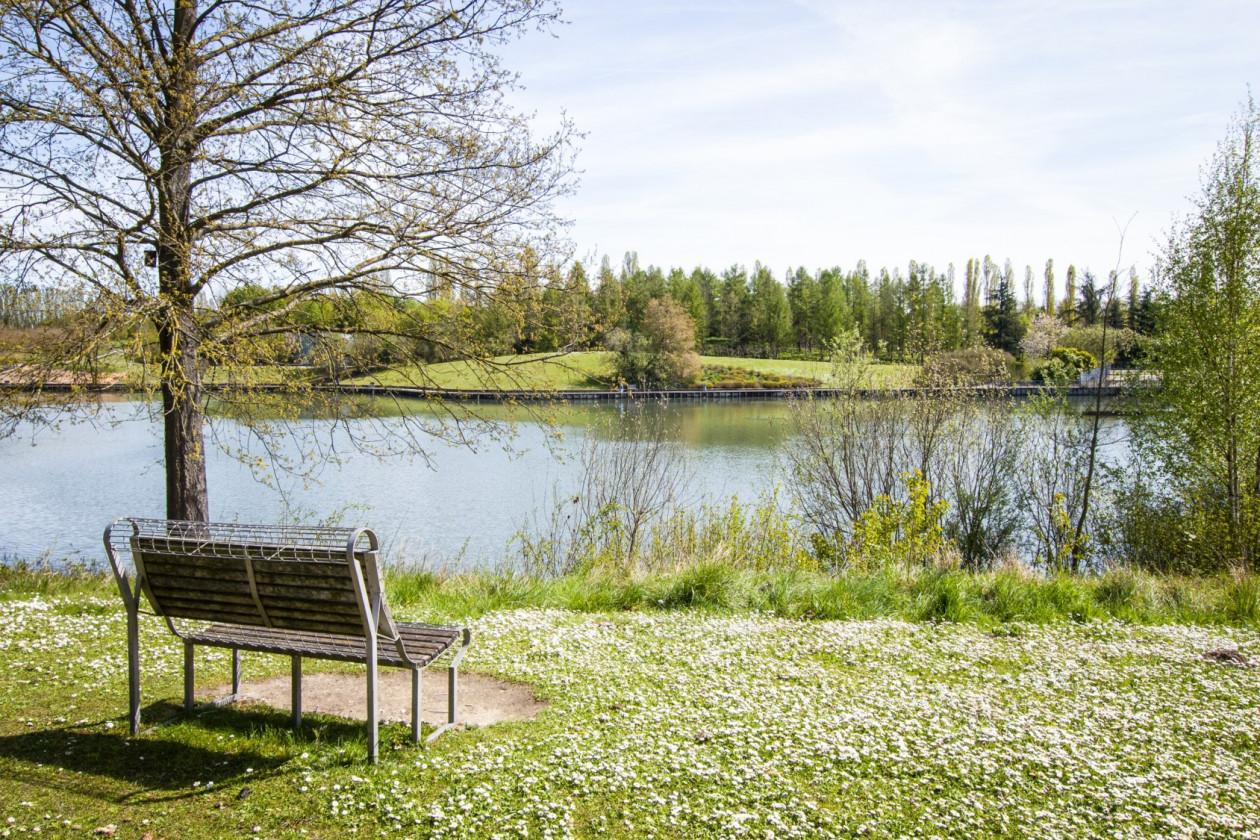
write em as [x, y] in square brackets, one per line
[200, 574]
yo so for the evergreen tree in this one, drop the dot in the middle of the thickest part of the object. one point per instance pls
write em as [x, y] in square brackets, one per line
[1144, 316]
[733, 308]
[685, 290]
[923, 315]
[802, 295]
[707, 282]
[1005, 328]
[859, 294]
[1090, 309]
[639, 287]
[834, 316]
[609, 304]
[770, 319]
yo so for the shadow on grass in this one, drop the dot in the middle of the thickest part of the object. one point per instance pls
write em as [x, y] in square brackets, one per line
[222, 746]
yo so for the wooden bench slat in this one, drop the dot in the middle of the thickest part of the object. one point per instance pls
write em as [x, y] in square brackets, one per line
[313, 612]
[166, 595]
[203, 588]
[221, 571]
[297, 584]
[328, 625]
[297, 579]
[334, 572]
[340, 648]
[287, 593]
[165, 576]
[308, 602]
[200, 612]
[332, 569]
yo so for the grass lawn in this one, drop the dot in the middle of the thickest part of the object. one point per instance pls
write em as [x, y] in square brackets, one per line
[593, 370]
[587, 370]
[590, 370]
[669, 724]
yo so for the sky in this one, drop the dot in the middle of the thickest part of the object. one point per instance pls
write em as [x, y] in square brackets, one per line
[818, 133]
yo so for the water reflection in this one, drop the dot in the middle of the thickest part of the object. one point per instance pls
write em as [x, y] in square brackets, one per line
[59, 488]
[750, 423]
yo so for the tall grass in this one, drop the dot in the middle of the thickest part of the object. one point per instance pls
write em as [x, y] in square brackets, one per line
[989, 598]
[23, 578]
[986, 598]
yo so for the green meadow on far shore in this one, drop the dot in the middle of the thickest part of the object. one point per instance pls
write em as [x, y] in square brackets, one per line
[592, 370]
[577, 371]
[707, 703]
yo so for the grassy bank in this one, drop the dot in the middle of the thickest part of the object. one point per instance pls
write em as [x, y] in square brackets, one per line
[987, 599]
[542, 372]
[579, 371]
[593, 371]
[664, 722]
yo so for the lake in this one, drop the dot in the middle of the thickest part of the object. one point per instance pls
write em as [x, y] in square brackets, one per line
[457, 508]
[59, 488]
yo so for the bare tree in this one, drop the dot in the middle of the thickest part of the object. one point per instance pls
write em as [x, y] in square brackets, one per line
[853, 453]
[1056, 447]
[154, 153]
[631, 477]
[1091, 462]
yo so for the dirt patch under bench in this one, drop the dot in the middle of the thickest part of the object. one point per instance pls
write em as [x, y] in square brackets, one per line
[482, 700]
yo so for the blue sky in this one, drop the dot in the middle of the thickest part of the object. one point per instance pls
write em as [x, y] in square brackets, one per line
[821, 132]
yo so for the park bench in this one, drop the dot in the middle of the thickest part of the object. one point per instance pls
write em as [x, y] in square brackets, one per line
[296, 591]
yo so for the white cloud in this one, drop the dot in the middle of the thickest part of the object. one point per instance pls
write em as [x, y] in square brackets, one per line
[824, 131]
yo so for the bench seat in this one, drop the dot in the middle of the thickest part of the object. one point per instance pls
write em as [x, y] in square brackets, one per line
[423, 643]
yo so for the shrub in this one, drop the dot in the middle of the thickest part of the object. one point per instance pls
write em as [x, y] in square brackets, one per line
[1147, 529]
[663, 352]
[1091, 340]
[729, 376]
[909, 533]
[972, 366]
[1064, 365]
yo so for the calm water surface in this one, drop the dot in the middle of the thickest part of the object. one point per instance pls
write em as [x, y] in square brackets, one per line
[60, 488]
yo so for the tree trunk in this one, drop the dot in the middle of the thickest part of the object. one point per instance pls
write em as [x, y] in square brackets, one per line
[178, 333]
[184, 443]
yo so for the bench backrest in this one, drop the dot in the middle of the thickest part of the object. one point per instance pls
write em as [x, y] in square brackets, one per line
[309, 579]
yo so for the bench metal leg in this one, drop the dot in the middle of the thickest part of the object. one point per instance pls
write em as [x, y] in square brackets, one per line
[190, 683]
[372, 711]
[452, 687]
[452, 700]
[133, 670]
[452, 693]
[188, 676]
[295, 686]
[415, 704]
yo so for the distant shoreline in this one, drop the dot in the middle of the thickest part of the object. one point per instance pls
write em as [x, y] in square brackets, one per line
[1016, 389]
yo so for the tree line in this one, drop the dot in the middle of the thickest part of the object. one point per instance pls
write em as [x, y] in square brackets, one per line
[900, 316]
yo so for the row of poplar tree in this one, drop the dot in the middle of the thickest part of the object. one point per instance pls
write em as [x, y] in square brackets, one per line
[900, 316]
